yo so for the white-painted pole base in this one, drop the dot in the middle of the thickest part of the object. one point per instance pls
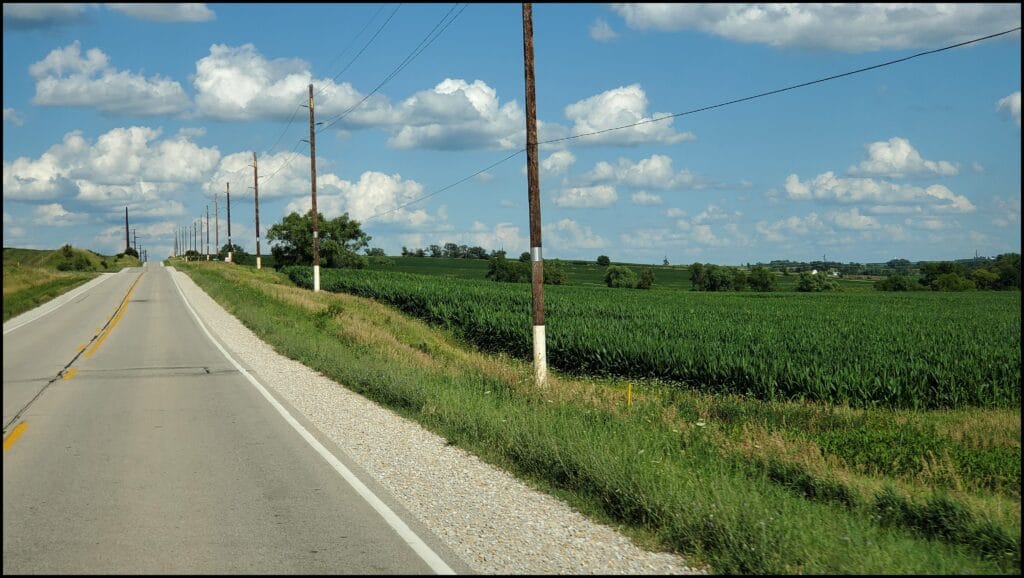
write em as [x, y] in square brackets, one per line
[229, 257]
[316, 278]
[540, 358]
[259, 263]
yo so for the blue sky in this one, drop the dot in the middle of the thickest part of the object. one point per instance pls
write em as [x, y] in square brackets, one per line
[157, 107]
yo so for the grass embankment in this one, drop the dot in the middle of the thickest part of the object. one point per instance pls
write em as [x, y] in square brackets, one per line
[32, 276]
[742, 485]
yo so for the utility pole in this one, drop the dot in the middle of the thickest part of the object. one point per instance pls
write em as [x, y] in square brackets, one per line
[216, 225]
[256, 191]
[229, 221]
[312, 170]
[540, 362]
[207, 232]
[135, 242]
[194, 235]
[126, 243]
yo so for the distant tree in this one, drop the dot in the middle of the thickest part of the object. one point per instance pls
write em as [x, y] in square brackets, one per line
[952, 282]
[931, 271]
[604, 261]
[739, 279]
[900, 264]
[761, 279]
[554, 272]
[375, 252]
[665, 262]
[131, 251]
[435, 251]
[497, 253]
[524, 256]
[897, 282]
[420, 253]
[815, 282]
[985, 279]
[1008, 267]
[501, 269]
[236, 252]
[476, 253]
[340, 239]
[646, 279]
[451, 250]
[620, 276]
[405, 251]
[718, 278]
[697, 276]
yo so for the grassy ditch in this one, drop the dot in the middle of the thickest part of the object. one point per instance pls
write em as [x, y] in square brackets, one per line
[744, 486]
[26, 288]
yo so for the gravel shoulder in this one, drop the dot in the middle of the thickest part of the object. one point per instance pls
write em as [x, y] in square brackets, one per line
[494, 522]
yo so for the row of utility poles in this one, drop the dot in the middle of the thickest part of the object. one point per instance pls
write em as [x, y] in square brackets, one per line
[140, 252]
[533, 180]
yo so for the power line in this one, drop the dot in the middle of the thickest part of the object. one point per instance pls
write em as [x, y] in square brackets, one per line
[776, 91]
[423, 45]
[763, 94]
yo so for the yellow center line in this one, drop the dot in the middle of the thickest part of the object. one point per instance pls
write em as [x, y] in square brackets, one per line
[117, 317]
[81, 347]
[9, 440]
[70, 373]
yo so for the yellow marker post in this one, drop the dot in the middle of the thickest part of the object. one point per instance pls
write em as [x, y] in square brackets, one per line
[629, 395]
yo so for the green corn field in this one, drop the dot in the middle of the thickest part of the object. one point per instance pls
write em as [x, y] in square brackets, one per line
[922, 350]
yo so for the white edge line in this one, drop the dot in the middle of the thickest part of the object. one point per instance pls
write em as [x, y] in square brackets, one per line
[414, 541]
[68, 297]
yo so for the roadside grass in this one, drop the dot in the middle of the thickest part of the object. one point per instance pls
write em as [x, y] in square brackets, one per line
[28, 287]
[741, 485]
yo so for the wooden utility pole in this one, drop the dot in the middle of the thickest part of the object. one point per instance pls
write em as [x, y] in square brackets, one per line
[312, 171]
[207, 232]
[540, 362]
[127, 244]
[256, 190]
[216, 225]
[229, 221]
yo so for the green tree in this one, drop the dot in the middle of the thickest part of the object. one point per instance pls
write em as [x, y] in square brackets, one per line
[501, 269]
[739, 279]
[1008, 266]
[524, 257]
[952, 282]
[604, 261]
[931, 271]
[619, 276]
[697, 276]
[554, 273]
[897, 283]
[375, 252]
[761, 279]
[236, 252]
[340, 239]
[815, 282]
[985, 279]
[646, 279]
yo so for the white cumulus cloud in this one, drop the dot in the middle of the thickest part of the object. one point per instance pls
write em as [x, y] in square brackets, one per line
[239, 83]
[853, 220]
[587, 197]
[66, 78]
[843, 27]
[644, 198]
[601, 32]
[55, 215]
[567, 234]
[166, 12]
[827, 186]
[457, 115]
[617, 107]
[655, 172]
[42, 15]
[898, 158]
[1010, 105]
[12, 116]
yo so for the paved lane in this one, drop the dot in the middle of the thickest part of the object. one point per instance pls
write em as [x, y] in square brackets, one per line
[158, 456]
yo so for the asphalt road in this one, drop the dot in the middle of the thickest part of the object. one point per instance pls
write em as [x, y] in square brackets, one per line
[132, 444]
